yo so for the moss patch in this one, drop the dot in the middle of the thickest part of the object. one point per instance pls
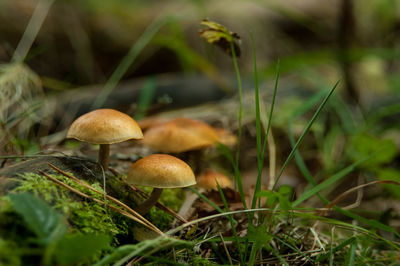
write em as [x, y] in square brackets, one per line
[84, 216]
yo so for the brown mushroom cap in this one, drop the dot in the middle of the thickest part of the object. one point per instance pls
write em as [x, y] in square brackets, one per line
[208, 180]
[226, 137]
[179, 135]
[161, 171]
[104, 126]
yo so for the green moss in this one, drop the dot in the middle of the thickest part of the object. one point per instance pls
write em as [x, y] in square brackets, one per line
[84, 216]
[8, 253]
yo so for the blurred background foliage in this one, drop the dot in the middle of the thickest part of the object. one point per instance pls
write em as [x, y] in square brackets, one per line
[81, 43]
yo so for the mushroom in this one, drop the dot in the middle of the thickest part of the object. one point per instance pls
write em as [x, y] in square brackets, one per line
[208, 180]
[205, 181]
[104, 127]
[159, 171]
[180, 135]
[225, 137]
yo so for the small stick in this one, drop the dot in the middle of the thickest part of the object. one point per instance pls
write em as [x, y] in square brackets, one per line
[105, 195]
[153, 228]
[226, 249]
[351, 190]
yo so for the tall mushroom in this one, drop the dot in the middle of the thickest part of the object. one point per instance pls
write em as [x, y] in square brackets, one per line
[180, 135]
[104, 127]
[159, 171]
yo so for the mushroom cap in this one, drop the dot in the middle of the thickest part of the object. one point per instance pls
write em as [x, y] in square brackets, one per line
[161, 171]
[209, 178]
[179, 135]
[225, 137]
[104, 126]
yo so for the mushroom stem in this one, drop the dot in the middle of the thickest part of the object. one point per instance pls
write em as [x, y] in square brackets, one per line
[146, 205]
[104, 152]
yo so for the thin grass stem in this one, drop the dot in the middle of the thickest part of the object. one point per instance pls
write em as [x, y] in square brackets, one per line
[31, 31]
[232, 222]
[129, 58]
[299, 141]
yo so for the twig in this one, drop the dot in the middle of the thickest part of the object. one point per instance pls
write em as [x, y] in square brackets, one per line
[153, 228]
[344, 194]
[226, 249]
[106, 196]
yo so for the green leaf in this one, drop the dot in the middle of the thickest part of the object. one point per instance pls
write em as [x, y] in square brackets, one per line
[271, 196]
[219, 35]
[284, 203]
[75, 248]
[259, 234]
[43, 220]
[260, 237]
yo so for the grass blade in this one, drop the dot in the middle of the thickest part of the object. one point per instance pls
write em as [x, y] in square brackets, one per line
[31, 31]
[232, 222]
[238, 177]
[260, 157]
[300, 111]
[142, 246]
[351, 255]
[240, 112]
[212, 204]
[145, 97]
[271, 112]
[127, 61]
[295, 249]
[346, 242]
[303, 134]
[370, 222]
[328, 182]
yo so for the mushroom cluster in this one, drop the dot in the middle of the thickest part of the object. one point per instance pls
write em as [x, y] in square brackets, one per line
[108, 126]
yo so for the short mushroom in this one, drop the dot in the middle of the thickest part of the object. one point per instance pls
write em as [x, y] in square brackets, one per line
[208, 180]
[225, 137]
[104, 127]
[159, 171]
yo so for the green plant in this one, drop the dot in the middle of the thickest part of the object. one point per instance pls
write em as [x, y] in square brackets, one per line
[49, 241]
